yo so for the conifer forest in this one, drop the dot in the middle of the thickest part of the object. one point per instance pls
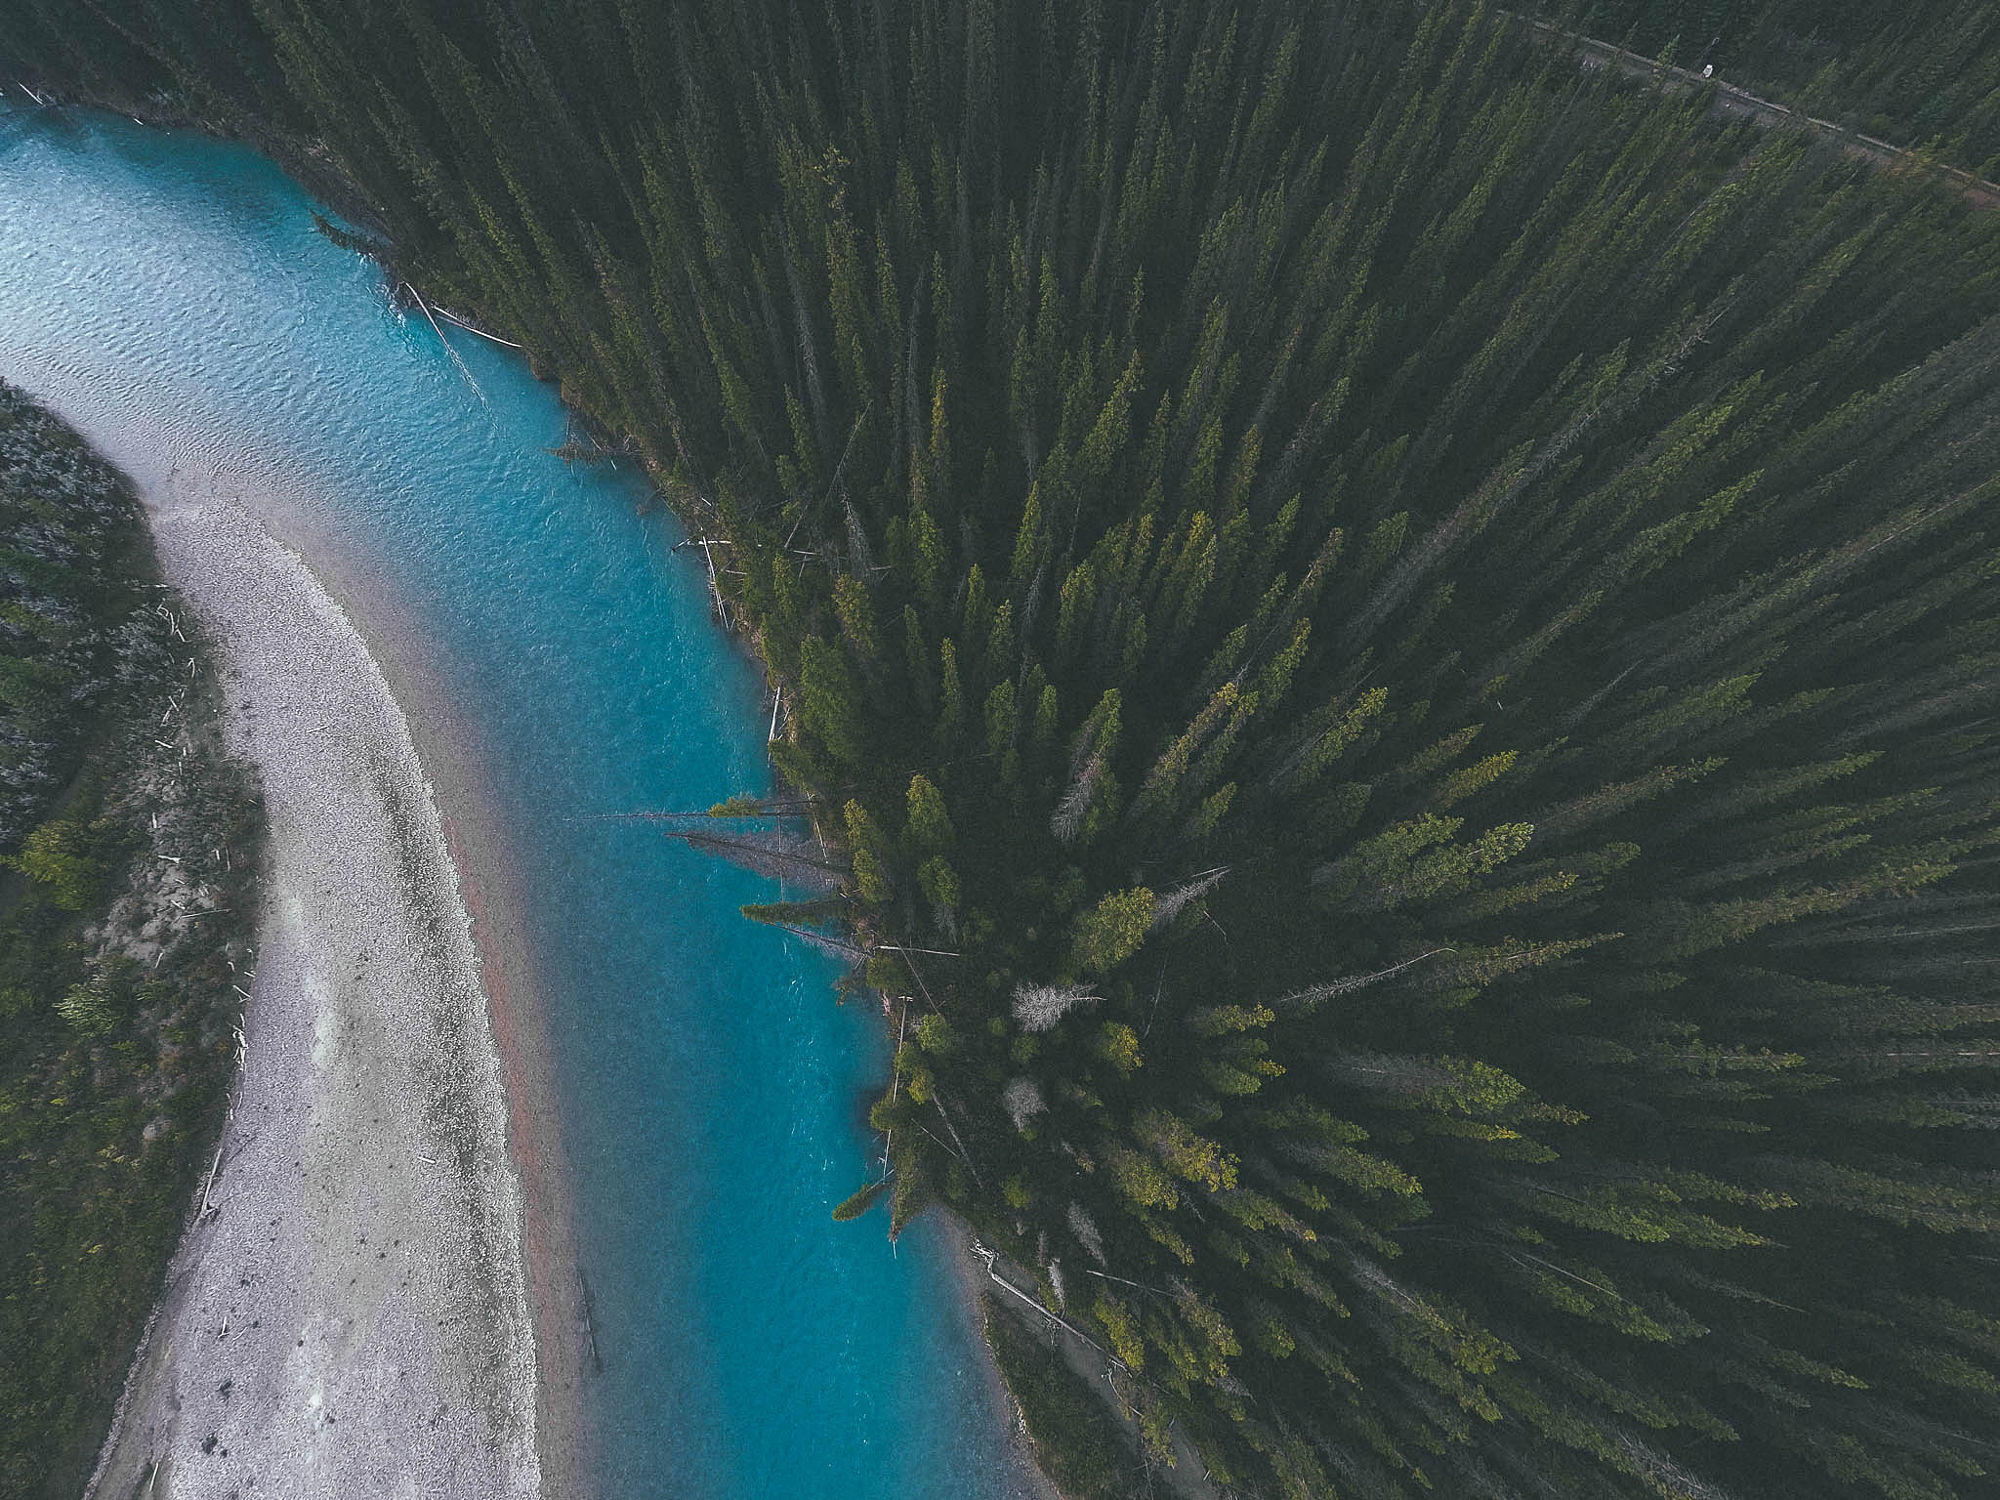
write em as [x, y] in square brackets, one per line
[1394, 636]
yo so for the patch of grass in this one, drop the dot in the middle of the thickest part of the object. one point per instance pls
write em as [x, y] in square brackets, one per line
[1077, 1442]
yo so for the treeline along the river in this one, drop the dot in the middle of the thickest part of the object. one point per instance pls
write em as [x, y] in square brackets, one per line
[1407, 632]
[128, 850]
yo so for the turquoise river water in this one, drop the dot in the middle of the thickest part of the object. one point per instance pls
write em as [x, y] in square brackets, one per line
[170, 296]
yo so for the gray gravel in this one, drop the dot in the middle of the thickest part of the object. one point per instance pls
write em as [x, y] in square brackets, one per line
[351, 1319]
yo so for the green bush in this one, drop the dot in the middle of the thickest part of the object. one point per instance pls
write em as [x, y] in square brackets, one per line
[54, 855]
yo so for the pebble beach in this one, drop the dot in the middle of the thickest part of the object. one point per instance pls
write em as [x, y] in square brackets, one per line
[349, 1312]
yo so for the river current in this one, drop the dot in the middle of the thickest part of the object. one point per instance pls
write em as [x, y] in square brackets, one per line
[170, 296]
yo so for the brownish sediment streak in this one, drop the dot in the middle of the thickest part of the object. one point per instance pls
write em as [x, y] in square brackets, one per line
[534, 1144]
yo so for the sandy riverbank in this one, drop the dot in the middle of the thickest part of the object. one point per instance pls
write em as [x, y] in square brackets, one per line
[357, 1316]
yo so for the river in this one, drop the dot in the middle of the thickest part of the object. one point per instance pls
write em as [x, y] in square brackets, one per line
[169, 295]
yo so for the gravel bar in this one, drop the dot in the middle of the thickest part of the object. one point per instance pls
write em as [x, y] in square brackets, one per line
[352, 1318]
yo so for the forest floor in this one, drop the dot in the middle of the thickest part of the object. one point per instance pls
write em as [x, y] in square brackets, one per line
[352, 1317]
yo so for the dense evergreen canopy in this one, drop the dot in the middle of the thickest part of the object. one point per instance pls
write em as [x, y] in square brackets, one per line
[69, 586]
[1419, 621]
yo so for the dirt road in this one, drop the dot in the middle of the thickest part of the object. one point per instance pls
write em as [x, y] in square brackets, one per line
[1731, 100]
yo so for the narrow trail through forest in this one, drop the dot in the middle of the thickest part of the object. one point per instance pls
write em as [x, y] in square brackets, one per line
[1729, 99]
